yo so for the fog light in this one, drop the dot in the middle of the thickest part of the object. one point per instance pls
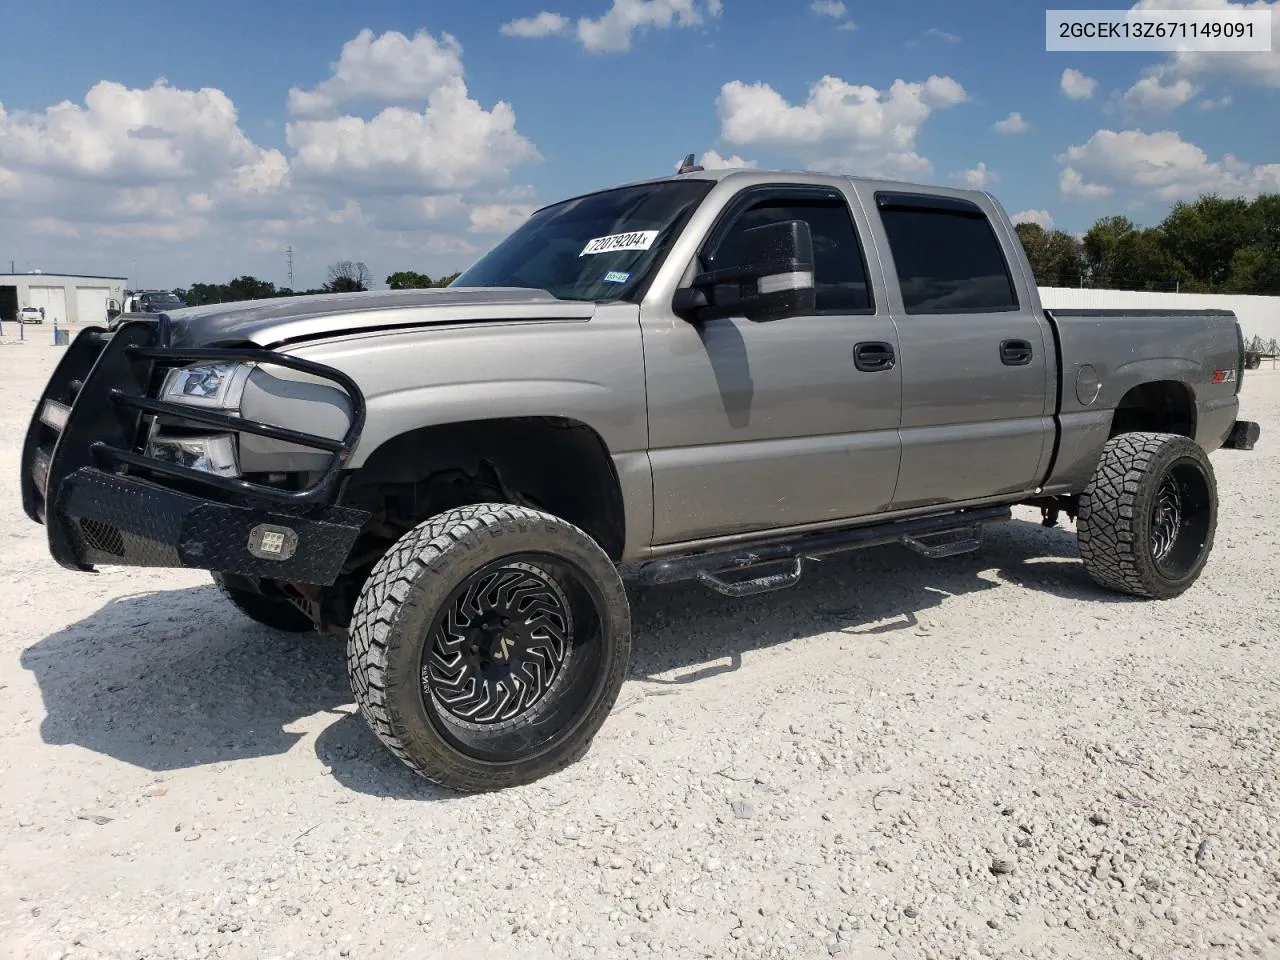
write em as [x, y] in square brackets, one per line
[214, 454]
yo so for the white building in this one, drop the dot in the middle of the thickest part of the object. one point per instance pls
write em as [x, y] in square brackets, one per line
[1258, 316]
[68, 299]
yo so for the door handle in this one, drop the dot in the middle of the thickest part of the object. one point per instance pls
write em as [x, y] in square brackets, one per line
[1015, 353]
[873, 356]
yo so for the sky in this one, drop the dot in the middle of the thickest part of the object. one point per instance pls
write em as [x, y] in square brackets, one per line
[175, 143]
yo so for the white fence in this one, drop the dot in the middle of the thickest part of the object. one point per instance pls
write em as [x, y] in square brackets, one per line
[1258, 316]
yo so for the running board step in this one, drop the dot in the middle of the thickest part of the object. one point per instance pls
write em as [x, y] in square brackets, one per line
[749, 588]
[946, 543]
[933, 537]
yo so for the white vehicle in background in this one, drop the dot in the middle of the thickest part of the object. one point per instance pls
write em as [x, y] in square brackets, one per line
[30, 315]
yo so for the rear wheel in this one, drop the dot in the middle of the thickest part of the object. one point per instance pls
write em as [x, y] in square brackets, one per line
[489, 645]
[1148, 517]
[273, 612]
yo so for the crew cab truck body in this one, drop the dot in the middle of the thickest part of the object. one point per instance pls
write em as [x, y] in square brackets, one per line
[714, 376]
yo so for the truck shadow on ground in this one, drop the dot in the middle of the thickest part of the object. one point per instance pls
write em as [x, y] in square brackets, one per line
[178, 679]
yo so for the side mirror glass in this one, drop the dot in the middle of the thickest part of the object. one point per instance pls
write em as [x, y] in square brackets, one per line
[775, 278]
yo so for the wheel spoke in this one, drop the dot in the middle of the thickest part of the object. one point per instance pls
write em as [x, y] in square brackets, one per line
[1166, 518]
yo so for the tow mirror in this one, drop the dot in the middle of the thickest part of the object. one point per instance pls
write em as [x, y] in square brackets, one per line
[774, 280]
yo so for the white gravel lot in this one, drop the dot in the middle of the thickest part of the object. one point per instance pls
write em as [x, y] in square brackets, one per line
[981, 756]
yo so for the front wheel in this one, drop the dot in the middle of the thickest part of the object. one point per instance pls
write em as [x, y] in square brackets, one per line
[1148, 517]
[488, 646]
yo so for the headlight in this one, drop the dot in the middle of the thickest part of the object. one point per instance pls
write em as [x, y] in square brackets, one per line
[217, 385]
[214, 454]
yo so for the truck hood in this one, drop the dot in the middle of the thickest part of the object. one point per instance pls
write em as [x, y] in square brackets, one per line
[282, 320]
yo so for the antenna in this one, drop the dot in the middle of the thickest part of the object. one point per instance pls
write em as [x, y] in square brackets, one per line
[289, 251]
[687, 165]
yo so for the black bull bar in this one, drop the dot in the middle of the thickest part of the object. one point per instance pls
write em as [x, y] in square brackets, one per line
[85, 474]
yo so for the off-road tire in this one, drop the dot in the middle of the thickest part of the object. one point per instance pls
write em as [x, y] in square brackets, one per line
[268, 611]
[1118, 511]
[407, 592]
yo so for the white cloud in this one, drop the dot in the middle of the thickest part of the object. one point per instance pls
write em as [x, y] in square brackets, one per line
[977, 178]
[390, 68]
[1211, 104]
[443, 206]
[855, 129]
[129, 136]
[611, 32]
[53, 227]
[1260, 68]
[543, 25]
[836, 10]
[1040, 217]
[934, 33]
[1076, 85]
[499, 218]
[455, 144]
[1072, 184]
[713, 161]
[1162, 165]
[168, 176]
[1151, 95]
[1013, 123]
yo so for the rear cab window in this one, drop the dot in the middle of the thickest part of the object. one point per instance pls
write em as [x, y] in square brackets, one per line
[946, 255]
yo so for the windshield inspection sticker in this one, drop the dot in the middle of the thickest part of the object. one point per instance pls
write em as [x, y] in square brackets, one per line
[639, 240]
[617, 276]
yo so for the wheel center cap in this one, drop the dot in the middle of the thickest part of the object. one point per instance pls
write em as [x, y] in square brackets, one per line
[502, 649]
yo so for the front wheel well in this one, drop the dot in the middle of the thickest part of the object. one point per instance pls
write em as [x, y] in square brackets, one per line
[1160, 406]
[557, 465]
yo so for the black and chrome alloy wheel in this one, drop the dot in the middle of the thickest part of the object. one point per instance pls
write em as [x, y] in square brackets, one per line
[1148, 516]
[488, 645]
[499, 648]
[1180, 519]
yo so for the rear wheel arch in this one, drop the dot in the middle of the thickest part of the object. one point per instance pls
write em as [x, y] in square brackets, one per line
[1157, 406]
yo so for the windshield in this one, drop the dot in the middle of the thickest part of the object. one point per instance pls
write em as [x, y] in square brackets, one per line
[162, 301]
[598, 247]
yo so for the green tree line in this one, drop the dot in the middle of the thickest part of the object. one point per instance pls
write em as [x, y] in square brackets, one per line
[345, 276]
[1209, 245]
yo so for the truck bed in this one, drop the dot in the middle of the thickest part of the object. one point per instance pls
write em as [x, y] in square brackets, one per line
[1104, 355]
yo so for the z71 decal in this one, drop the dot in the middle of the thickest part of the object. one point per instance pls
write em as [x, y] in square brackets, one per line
[639, 240]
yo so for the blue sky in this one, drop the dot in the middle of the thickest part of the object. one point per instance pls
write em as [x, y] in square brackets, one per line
[418, 133]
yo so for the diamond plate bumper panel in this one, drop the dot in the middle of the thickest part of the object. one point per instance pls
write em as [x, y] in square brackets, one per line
[123, 521]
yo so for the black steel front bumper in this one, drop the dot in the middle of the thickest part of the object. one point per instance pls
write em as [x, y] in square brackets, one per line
[103, 501]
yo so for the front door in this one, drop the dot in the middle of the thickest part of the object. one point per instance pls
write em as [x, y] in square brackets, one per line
[757, 426]
[976, 400]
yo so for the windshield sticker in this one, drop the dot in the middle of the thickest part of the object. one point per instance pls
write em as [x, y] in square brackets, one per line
[617, 276]
[639, 240]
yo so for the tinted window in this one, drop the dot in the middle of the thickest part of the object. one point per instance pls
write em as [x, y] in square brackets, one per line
[947, 261]
[840, 273]
[598, 247]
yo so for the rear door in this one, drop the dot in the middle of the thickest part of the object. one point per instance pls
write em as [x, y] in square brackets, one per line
[977, 403]
[756, 426]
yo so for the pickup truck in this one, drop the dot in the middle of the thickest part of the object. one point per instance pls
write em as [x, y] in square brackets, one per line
[141, 302]
[711, 376]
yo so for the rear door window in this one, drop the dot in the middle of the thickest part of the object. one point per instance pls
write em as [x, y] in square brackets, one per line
[948, 260]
